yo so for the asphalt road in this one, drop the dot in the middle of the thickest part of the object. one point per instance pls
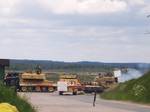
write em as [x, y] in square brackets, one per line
[52, 102]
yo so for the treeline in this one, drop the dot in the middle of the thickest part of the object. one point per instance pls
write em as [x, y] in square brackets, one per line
[73, 66]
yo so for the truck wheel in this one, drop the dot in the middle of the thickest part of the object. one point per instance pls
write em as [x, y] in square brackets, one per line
[30, 89]
[44, 89]
[60, 93]
[37, 89]
[50, 89]
[24, 89]
[74, 93]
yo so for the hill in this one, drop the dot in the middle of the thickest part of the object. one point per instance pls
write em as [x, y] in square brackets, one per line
[137, 90]
[71, 66]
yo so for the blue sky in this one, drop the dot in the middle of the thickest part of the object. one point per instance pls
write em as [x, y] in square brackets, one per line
[75, 30]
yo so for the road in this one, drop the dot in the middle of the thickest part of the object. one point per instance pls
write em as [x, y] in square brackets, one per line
[52, 102]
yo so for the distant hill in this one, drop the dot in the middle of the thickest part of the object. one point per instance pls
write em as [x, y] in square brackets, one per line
[72, 66]
[137, 90]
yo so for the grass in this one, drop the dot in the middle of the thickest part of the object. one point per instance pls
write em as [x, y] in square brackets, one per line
[137, 90]
[8, 95]
[83, 78]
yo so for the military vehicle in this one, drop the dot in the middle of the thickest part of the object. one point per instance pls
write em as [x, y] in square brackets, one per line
[30, 81]
[11, 79]
[93, 88]
[106, 80]
[35, 82]
[68, 84]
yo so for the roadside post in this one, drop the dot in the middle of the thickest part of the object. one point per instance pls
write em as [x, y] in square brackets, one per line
[94, 100]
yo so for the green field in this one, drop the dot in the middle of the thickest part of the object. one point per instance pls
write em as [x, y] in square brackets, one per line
[137, 90]
[82, 77]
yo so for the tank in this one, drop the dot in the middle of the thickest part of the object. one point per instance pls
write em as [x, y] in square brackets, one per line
[106, 80]
[35, 82]
[90, 87]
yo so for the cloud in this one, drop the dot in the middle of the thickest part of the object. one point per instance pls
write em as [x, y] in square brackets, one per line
[83, 6]
[73, 30]
[8, 7]
[136, 2]
[145, 10]
[75, 44]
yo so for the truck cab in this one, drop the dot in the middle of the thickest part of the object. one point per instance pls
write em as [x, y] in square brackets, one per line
[68, 84]
[11, 79]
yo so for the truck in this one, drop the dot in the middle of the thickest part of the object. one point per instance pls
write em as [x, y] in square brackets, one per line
[68, 84]
[11, 79]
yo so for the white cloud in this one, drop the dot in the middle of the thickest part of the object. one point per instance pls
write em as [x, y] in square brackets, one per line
[83, 6]
[145, 10]
[8, 7]
[79, 35]
[142, 8]
[105, 44]
[136, 2]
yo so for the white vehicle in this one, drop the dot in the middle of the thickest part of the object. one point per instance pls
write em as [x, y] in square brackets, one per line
[62, 86]
[117, 73]
[68, 84]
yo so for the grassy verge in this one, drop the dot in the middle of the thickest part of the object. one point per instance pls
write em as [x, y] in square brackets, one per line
[8, 95]
[137, 90]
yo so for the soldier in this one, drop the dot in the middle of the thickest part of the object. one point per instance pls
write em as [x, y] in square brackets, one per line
[38, 69]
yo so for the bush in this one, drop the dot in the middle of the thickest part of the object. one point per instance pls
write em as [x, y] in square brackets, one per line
[137, 90]
[8, 95]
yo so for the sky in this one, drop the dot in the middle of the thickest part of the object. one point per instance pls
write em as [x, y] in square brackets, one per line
[75, 30]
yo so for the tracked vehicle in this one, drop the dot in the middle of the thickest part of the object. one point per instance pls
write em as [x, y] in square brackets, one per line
[30, 81]
[35, 82]
[106, 80]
